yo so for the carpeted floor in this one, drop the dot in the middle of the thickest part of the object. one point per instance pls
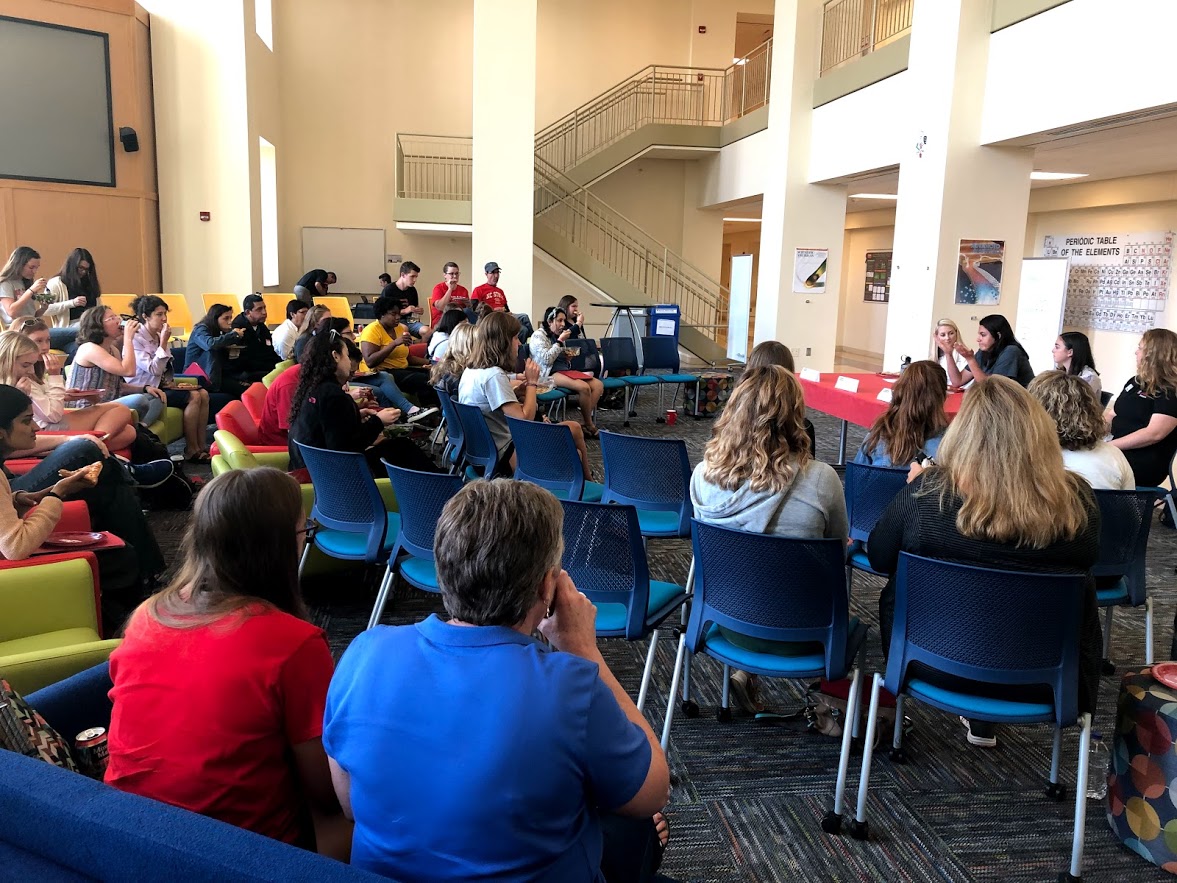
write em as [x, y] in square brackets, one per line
[749, 796]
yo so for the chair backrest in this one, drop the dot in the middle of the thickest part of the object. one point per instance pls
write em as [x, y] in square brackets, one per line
[772, 588]
[619, 354]
[453, 426]
[869, 490]
[1124, 524]
[545, 454]
[478, 444]
[275, 371]
[340, 307]
[604, 555]
[254, 399]
[234, 451]
[1105, 398]
[120, 303]
[179, 315]
[346, 497]
[649, 473]
[276, 308]
[234, 417]
[230, 300]
[992, 626]
[660, 354]
[421, 497]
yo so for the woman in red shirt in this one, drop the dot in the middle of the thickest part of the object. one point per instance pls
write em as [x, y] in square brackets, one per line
[220, 683]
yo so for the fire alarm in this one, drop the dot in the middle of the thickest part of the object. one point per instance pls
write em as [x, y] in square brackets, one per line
[206, 216]
[702, 29]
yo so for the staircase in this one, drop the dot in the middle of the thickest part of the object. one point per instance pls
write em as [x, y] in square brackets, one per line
[676, 106]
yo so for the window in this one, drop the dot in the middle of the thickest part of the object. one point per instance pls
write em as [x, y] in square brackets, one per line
[263, 15]
[268, 166]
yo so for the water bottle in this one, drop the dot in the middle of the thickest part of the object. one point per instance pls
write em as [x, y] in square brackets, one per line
[1097, 768]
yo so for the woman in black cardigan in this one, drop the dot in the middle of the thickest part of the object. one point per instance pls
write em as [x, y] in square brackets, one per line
[324, 415]
[998, 497]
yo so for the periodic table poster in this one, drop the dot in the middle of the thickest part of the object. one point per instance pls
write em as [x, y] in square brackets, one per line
[1117, 281]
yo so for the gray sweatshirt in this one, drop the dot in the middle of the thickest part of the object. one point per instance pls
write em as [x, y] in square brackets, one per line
[813, 507]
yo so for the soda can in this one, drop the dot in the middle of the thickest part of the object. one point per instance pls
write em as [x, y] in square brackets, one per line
[91, 752]
[671, 417]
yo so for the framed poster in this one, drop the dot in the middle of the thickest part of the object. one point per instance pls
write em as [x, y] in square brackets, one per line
[809, 270]
[878, 277]
[978, 273]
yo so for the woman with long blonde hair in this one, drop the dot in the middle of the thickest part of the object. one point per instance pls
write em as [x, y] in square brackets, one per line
[913, 424]
[448, 371]
[1070, 402]
[310, 322]
[758, 475]
[945, 337]
[998, 496]
[1144, 421]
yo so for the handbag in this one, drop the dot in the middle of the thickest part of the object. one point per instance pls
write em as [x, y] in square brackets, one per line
[825, 709]
[24, 731]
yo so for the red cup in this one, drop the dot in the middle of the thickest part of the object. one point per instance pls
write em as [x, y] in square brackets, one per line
[671, 417]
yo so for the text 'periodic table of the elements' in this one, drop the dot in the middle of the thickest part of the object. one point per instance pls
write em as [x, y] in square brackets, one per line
[1117, 281]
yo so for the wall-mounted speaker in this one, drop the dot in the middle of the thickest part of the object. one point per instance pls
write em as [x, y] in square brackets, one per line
[129, 138]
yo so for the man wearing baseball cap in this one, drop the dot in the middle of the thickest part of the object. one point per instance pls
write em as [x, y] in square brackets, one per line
[493, 296]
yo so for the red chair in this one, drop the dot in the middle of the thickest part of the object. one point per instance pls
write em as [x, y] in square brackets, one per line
[255, 401]
[236, 419]
[20, 467]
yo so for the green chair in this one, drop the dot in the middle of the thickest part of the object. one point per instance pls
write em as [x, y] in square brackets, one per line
[278, 369]
[170, 426]
[49, 627]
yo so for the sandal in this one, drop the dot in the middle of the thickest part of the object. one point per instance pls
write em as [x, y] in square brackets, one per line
[200, 457]
[590, 432]
[662, 828]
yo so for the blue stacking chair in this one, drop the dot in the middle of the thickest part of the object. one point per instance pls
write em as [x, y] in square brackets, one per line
[545, 454]
[353, 524]
[869, 490]
[652, 474]
[455, 442]
[775, 589]
[661, 354]
[604, 555]
[996, 627]
[424, 495]
[1125, 521]
[479, 451]
[619, 354]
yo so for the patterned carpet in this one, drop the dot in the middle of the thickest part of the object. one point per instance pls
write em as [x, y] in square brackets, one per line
[749, 796]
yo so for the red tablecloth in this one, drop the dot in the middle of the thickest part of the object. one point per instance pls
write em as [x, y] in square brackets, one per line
[862, 407]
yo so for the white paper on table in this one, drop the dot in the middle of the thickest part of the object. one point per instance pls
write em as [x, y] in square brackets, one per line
[884, 394]
[810, 374]
[846, 384]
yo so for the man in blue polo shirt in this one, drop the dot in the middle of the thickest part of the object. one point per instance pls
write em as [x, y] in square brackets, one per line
[467, 750]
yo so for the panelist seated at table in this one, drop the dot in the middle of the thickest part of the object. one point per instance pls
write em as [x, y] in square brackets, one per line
[773, 352]
[911, 428]
[998, 352]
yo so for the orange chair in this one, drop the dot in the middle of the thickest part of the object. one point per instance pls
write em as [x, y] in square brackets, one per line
[179, 315]
[254, 399]
[276, 308]
[340, 307]
[120, 303]
[231, 300]
[235, 418]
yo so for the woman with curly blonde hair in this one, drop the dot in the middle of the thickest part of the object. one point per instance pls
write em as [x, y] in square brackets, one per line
[1144, 425]
[1070, 401]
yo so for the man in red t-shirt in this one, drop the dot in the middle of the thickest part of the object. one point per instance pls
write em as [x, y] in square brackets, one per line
[490, 293]
[448, 294]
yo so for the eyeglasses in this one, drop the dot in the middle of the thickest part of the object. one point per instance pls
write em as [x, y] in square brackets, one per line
[308, 529]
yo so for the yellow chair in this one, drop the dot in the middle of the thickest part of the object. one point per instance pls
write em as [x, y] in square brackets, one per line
[179, 315]
[230, 300]
[340, 307]
[276, 308]
[120, 303]
[48, 622]
[278, 369]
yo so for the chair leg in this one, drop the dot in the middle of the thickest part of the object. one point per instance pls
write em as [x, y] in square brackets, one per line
[682, 616]
[381, 596]
[302, 562]
[678, 664]
[1055, 789]
[724, 713]
[859, 829]
[686, 679]
[1076, 872]
[832, 822]
[1148, 630]
[898, 755]
[648, 671]
[1109, 613]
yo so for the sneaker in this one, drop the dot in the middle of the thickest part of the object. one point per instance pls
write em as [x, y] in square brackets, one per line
[152, 474]
[744, 691]
[420, 414]
[979, 741]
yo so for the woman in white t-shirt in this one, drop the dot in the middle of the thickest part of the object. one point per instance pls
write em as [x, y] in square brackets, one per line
[1072, 354]
[944, 340]
[1076, 412]
[20, 287]
[488, 383]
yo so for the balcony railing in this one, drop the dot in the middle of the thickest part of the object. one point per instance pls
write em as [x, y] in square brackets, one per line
[433, 167]
[854, 28]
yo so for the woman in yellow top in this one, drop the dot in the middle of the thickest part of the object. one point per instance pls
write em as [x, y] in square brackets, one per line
[385, 346]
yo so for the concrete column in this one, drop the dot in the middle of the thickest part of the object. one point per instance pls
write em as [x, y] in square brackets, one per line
[950, 186]
[504, 148]
[797, 214]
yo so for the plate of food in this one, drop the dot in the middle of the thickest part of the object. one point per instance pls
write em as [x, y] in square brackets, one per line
[1166, 673]
[74, 539]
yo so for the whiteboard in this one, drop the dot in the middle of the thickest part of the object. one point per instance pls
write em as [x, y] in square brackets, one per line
[739, 306]
[354, 254]
[1041, 297]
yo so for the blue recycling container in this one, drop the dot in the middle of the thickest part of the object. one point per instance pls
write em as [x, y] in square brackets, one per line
[665, 320]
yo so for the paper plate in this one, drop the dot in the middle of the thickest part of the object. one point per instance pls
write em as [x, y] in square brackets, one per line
[1166, 673]
[76, 540]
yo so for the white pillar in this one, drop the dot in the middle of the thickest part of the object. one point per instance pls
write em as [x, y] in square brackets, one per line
[951, 187]
[797, 214]
[504, 147]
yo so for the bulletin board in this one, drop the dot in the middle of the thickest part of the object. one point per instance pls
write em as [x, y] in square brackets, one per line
[878, 277]
[355, 254]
